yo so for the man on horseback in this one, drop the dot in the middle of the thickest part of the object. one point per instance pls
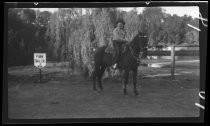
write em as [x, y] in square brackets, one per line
[118, 40]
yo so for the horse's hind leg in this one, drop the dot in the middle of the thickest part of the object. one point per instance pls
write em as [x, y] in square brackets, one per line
[125, 82]
[135, 81]
[96, 72]
[99, 78]
[94, 80]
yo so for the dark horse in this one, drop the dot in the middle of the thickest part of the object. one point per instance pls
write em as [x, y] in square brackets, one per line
[129, 61]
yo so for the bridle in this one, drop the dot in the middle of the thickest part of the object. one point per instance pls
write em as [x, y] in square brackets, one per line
[136, 56]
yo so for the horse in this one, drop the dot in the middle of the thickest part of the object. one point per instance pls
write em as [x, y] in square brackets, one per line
[129, 61]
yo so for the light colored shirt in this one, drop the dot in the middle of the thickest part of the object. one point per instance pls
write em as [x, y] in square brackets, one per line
[119, 34]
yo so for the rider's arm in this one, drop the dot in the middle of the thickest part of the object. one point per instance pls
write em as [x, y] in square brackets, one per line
[116, 36]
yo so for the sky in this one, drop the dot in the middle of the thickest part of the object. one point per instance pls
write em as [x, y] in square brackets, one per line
[180, 11]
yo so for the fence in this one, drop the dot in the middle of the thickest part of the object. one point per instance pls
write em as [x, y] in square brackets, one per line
[174, 53]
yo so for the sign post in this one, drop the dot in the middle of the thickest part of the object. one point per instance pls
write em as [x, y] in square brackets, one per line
[40, 75]
[40, 62]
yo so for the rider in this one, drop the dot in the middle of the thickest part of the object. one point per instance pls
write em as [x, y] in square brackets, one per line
[118, 39]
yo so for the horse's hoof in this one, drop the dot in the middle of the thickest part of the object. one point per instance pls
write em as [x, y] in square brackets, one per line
[101, 88]
[136, 93]
[94, 89]
[125, 92]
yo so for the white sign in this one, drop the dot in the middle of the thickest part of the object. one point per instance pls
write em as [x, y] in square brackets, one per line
[40, 60]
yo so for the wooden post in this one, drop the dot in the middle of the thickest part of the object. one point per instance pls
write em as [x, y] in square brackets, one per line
[172, 60]
[40, 75]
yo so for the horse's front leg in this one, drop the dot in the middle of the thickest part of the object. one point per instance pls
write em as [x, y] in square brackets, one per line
[99, 78]
[125, 82]
[135, 81]
[95, 76]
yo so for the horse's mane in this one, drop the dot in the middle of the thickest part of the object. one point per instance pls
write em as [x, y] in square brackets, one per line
[134, 39]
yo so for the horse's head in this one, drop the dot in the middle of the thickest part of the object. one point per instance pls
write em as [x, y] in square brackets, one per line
[141, 40]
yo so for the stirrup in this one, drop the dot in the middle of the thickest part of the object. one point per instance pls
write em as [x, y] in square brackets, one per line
[114, 66]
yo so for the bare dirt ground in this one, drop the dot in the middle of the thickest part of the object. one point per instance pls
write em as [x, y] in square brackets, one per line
[73, 97]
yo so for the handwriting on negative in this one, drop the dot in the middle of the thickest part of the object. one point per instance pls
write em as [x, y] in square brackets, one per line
[194, 15]
[202, 97]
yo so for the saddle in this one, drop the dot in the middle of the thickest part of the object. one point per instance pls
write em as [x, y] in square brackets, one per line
[111, 50]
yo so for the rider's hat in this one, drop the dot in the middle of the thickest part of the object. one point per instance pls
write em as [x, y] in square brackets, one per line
[120, 21]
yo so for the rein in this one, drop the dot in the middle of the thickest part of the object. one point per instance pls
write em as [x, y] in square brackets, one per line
[133, 54]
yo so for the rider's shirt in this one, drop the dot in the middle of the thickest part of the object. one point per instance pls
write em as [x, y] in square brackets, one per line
[119, 34]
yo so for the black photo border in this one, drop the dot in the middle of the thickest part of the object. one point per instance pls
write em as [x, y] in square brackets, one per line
[203, 7]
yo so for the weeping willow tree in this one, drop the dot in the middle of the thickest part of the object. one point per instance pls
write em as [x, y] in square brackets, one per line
[132, 24]
[81, 33]
[86, 44]
[59, 32]
[70, 32]
[103, 20]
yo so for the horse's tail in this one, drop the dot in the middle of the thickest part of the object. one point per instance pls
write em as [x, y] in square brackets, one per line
[93, 76]
[98, 56]
[98, 59]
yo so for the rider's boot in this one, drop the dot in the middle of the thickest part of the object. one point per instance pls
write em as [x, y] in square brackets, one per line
[115, 61]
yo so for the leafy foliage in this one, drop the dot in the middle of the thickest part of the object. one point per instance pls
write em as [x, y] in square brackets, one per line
[25, 36]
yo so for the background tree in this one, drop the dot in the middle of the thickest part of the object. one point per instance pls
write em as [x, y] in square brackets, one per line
[132, 25]
[152, 18]
[22, 36]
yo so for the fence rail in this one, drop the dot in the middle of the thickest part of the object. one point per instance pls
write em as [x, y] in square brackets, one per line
[177, 53]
